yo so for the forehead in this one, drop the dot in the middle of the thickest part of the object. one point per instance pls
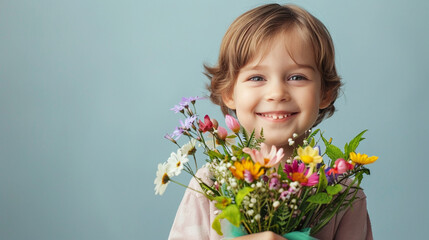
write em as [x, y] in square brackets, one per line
[295, 41]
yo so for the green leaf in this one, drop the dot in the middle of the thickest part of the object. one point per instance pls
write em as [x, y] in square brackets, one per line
[313, 133]
[366, 171]
[320, 198]
[312, 143]
[215, 154]
[250, 139]
[222, 202]
[236, 151]
[354, 143]
[241, 194]
[280, 172]
[334, 152]
[323, 182]
[324, 140]
[207, 188]
[216, 226]
[333, 190]
[231, 213]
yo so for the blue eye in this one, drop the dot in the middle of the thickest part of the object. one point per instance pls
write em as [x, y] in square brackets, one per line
[297, 78]
[256, 79]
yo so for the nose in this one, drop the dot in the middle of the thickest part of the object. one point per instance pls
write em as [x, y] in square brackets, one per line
[277, 91]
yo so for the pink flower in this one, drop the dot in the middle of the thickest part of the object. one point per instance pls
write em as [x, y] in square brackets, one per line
[222, 133]
[248, 177]
[207, 125]
[232, 123]
[265, 158]
[285, 195]
[341, 166]
[298, 172]
[274, 183]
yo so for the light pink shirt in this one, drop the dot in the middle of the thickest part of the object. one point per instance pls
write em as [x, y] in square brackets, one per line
[196, 214]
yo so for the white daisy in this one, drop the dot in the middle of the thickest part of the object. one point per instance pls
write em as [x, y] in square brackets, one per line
[189, 148]
[175, 162]
[162, 178]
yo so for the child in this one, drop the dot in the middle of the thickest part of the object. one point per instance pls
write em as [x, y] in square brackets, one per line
[275, 71]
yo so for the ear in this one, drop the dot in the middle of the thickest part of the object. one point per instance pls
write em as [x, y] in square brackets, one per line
[327, 98]
[228, 100]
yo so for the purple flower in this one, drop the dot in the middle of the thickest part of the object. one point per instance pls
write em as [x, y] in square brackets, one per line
[265, 178]
[177, 108]
[274, 183]
[177, 133]
[330, 176]
[192, 99]
[169, 137]
[184, 103]
[188, 122]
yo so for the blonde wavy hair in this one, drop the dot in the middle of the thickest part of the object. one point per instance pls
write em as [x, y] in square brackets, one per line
[246, 37]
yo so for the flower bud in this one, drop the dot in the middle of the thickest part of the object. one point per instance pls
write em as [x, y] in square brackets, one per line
[341, 166]
[222, 133]
[168, 137]
[232, 123]
[215, 123]
[276, 204]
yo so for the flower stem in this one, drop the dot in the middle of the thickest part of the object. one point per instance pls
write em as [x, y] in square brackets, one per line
[183, 185]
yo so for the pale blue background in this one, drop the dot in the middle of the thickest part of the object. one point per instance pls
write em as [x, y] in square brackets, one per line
[85, 88]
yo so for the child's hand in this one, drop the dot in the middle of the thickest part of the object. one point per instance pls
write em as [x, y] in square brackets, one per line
[268, 235]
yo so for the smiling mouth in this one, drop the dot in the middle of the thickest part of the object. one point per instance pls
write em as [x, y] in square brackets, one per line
[275, 116]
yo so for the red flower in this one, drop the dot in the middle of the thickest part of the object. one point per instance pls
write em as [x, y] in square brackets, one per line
[207, 125]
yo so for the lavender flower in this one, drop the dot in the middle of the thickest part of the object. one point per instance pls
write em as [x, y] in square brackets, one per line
[184, 103]
[169, 137]
[192, 99]
[188, 122]
[177, 133]
[177, 108]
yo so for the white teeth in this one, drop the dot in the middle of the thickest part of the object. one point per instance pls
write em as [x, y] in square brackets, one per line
[275, 117]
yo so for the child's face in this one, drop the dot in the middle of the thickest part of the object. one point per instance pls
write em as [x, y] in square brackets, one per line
[279, 93]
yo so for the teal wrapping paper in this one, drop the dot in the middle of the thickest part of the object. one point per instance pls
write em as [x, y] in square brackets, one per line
[230, 231]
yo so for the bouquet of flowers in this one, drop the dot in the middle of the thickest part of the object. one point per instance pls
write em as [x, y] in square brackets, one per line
[253, 188]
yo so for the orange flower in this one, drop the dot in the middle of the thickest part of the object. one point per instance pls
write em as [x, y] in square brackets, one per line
[247, 170]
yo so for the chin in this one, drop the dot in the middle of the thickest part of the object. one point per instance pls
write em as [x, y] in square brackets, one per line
[278, 143]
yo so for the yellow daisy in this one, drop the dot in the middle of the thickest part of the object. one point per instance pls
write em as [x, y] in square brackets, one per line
[362, 158]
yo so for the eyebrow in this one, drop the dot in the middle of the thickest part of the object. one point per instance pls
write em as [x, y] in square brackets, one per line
[262, 67]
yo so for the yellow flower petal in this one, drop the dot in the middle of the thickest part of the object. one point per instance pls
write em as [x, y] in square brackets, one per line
[362, 158]
[309, 155]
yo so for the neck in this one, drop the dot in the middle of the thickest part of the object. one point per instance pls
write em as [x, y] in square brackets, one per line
[288, 150]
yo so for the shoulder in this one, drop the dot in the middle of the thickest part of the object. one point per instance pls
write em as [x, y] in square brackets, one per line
[204, 174]
[360, 195]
